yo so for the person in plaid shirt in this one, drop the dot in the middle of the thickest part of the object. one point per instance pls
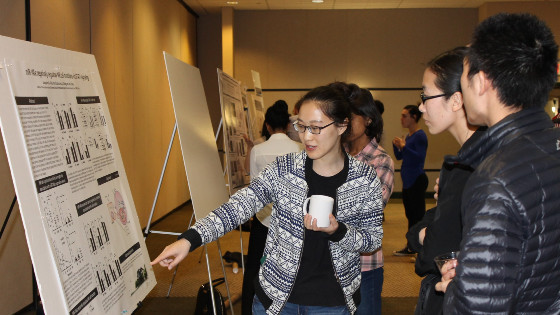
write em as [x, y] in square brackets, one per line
[363, 145]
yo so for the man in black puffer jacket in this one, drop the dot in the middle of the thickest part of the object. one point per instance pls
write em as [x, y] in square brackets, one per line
[510, 254]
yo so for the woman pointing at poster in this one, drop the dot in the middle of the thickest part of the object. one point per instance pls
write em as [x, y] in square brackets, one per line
[304, 266]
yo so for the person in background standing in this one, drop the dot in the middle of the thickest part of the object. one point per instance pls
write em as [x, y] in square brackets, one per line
[363, 145]
[276, 120]
[292, 133]
[412, 151]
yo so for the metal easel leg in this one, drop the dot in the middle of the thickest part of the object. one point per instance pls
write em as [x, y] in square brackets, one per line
[225, 276]
[210, 281]
[242, 255]
[177, 267]
[147, 230]
[172, 280]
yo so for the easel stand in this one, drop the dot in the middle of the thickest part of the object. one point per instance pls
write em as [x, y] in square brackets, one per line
[35, 306]
[147, 231]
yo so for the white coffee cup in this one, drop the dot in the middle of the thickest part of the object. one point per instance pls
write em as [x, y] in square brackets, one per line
[319, 208]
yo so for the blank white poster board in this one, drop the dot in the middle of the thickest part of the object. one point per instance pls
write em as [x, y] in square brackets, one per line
[80, 221]
[198, 143]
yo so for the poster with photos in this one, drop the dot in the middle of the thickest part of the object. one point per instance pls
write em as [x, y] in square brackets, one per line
[234, 126]
[256, 116]
[257, 82]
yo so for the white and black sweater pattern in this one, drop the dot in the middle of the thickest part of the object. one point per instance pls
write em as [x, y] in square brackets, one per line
[359, 204]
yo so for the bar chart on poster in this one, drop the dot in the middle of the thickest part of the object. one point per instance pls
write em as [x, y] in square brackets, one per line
[81, 225]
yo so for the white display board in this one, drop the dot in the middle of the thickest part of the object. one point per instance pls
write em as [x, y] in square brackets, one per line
[234, 126]
[80, 221]
[257, 82]
[198, 144]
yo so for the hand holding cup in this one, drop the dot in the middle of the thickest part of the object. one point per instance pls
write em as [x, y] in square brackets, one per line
[320, 216]
[446, 264]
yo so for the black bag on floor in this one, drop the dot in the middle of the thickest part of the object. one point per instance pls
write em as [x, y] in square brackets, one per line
[204, 299]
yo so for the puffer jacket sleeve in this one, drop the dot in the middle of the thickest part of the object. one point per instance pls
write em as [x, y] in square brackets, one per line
[488, 265]
[240, 207]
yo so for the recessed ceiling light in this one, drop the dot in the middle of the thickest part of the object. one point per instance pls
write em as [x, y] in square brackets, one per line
[317, 1]
[232, 2]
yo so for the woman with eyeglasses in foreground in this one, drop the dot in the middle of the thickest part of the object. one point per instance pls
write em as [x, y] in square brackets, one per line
[304, 268]
[440, 230]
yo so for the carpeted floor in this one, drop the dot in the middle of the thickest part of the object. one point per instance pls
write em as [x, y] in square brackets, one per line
[185, 305]
[400, 288]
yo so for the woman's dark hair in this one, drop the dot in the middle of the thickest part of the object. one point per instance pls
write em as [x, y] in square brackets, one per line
[277, 116]
[264, 131]
[365, 106]
[333, 103]
[297, 107]
[413, 111]
[362, 103]
[448, 68]
[380, 106]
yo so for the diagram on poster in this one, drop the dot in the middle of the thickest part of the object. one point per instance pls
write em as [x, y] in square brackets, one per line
[91, 230]
[234, 126]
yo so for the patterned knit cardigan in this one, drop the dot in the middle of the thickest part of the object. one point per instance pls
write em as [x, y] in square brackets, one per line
[283, 182]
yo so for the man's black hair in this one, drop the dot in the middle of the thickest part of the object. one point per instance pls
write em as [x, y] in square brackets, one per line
[517, 52]
[414, 112]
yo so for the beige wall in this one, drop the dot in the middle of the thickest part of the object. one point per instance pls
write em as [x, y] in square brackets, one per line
[379, 49]
[545, 10]
[128, 42]
[127, 38]
[209, 45]
[15, 263]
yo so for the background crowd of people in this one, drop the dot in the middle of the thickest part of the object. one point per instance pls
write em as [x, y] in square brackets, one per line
[497, 198]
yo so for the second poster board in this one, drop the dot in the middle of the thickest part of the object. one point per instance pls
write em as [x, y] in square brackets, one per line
[234, 126]
[198, 144]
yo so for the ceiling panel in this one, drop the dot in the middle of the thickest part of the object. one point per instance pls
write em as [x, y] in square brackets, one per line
[203, 7]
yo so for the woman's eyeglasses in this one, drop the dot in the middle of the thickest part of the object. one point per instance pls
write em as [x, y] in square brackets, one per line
[424, 98]
[312, 129]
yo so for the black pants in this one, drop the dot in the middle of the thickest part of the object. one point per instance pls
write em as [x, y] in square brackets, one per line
[414, 200]
[257, 241]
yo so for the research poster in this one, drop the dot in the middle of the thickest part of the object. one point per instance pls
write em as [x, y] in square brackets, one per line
[71, 184]
[234, 126]
[257, 82]
[256, 116]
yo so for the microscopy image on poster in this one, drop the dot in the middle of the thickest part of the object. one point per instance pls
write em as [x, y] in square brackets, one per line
[85, 204]
[234, 126]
